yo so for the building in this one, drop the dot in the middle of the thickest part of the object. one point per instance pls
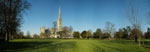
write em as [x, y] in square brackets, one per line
[59, 22]
[54, 32]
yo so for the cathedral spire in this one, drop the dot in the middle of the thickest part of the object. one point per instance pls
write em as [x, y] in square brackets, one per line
[59, 17]
[59, 22]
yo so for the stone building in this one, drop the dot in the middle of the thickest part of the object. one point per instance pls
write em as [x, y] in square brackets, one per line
[52, 32]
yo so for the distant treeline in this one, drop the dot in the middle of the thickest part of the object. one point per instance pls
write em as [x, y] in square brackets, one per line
[124, 33]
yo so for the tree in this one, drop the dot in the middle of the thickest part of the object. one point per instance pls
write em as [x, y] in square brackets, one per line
[148, 13]
[128, 31]
[119, 34]
[42, 35]
[61, 33]
[136, 22]
[28, 35]
[70, 30]
[109, 28]
[36, 36]
[89, 34]
[54, 27]
[98, 34]
[135, 34]
[10, 17]
[147, 34]
[76, 34]
[66, 32]
[83, 34]
[105, 35]
[125, 33]
[20, 35]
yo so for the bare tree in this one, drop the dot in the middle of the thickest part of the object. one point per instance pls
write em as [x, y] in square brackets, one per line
[133, 17]
[148, 13]
[28, 35]
[109, 28]
[54, 27]
[70, 30]
[136, 22]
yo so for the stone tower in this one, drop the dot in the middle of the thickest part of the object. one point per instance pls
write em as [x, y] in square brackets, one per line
[59, 22]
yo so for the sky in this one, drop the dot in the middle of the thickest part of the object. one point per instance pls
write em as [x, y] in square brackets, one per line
[82, 14]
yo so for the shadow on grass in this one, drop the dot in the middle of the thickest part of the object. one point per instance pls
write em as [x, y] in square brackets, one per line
[97, 48]
[63, 46]
[120, 41]
[20, 46]
[23, 46]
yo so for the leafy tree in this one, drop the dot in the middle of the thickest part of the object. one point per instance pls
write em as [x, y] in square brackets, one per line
[98, 34]
[147, 34]
[76, 34]
[89, 34]
[83, 34]
[105, 35]
[119, 34]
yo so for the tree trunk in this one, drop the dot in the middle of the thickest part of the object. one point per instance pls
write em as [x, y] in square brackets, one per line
[139, 43]
[6, 37]
[99, 37]
[80, 37]
[136, 39]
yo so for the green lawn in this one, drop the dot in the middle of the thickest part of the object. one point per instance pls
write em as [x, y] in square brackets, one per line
[71, 45]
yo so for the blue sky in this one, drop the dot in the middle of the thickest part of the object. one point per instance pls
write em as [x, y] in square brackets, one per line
[81, 14]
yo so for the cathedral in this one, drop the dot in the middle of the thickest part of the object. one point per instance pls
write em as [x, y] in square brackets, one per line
[54, 32]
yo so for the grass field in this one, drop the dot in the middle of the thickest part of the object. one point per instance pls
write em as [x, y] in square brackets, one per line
[71, 45]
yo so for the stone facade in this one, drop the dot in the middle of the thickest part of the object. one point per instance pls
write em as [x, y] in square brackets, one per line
[52, 32]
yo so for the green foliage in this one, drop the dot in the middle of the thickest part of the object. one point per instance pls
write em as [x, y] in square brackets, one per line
[86, 34]
[76, 34]
[147, 34]
[89, 34]
[83, 34]
[119, 34]
[97, 34]
[105, 35]
[126, 31]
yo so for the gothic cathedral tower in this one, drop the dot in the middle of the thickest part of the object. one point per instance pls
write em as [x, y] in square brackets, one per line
[59, 22]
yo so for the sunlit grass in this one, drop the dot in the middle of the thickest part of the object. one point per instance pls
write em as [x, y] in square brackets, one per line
[73, 45]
